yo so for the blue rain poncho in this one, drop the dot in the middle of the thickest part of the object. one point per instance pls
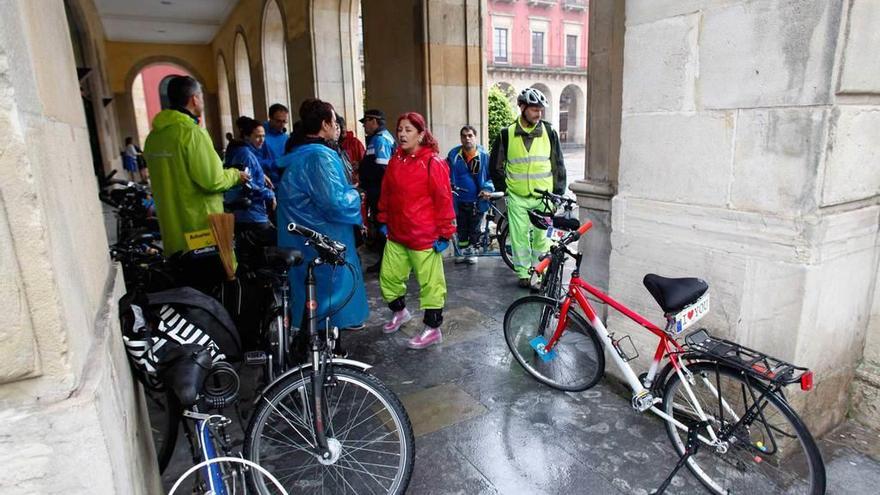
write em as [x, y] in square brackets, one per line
[315, 193]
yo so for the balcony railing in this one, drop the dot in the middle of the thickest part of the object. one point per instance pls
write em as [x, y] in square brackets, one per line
[575, 5]
[515, 60]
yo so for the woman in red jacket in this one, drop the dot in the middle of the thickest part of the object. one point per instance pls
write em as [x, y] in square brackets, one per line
[415, 213]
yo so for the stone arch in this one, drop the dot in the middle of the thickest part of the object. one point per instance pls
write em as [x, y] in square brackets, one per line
[223, 96]
[550, 113]
[572, 115]
[509, 90]
[274, 55]
[143, 102]
[242, 69]
[135, 91]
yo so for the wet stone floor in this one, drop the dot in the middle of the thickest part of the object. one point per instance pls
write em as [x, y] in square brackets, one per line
[483, 426]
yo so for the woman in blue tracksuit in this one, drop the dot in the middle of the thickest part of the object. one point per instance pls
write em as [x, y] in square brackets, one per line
[253, 230]
[469, 174]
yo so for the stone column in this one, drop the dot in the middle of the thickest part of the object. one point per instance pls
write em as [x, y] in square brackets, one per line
[72, 421]
[431, 62]
[749, 158]
[456, 87]
[604, 90]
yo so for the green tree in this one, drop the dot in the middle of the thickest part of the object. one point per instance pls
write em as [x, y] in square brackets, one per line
[500, 113]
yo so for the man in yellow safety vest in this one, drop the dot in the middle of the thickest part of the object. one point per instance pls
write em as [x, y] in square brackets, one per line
[527, 156]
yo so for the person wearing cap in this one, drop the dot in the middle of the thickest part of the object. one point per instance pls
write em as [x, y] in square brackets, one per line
[380, 148]
[527, 156]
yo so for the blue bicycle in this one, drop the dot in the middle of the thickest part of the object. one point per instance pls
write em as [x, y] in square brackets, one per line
[196, 384]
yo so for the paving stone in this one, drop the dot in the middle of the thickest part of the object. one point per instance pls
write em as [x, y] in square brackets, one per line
[437, 407]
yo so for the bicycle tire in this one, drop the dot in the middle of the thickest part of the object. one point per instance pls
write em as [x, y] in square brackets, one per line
[504, 249]
[275, 440]
[164, 425]
[578, 349]
[777, 468]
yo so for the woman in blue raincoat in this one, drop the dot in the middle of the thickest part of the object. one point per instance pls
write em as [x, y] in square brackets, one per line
[315, 193]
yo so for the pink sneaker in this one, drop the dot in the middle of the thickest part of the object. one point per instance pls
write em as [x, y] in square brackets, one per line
[398, 318]
[429, 337]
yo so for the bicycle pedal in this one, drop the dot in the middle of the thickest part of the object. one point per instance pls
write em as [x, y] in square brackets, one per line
[644, 401]
[255, 358]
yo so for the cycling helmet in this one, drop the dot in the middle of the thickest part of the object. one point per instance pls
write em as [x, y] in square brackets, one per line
[532, 96]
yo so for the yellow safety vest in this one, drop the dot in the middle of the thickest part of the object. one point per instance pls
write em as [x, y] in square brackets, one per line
[528, 170]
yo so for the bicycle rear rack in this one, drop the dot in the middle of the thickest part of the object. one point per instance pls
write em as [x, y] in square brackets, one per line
[755, 363]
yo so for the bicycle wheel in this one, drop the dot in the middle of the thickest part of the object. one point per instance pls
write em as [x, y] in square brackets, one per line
[578, 362]
[771, 453]
[164, 411]
[367, 428]
[504, 246]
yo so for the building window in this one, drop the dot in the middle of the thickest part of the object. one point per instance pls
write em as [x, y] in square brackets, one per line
[571, 50]
[500, 44]
[537, 48]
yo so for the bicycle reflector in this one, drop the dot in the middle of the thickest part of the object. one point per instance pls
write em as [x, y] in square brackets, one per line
[807, 381]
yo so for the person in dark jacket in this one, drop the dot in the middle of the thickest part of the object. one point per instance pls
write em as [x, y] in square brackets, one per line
[380, 149]
[469, 174]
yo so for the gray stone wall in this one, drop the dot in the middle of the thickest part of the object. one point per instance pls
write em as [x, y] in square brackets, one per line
[70, 418]
[749, 159]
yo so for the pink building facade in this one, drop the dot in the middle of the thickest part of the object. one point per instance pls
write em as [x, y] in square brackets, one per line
[542, 44]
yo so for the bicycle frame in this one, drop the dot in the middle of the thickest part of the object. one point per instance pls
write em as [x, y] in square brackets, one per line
[207, 450]
[643, 400]
[666, 347]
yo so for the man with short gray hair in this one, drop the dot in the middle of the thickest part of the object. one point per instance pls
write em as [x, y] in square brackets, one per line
[188, 179]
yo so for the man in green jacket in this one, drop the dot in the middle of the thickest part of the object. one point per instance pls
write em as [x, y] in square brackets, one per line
[527, 156]
[187, 176]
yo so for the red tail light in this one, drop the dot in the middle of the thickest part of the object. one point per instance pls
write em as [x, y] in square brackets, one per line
[807, 381]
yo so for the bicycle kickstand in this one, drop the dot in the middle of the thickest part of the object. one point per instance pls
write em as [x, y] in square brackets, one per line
[693, 443]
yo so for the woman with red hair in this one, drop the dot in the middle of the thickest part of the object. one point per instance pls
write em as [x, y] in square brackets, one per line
[416, 214]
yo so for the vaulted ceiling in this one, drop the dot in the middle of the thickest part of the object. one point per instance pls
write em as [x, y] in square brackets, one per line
[163, 21]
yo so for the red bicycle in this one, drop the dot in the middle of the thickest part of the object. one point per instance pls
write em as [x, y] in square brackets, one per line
[723, 404]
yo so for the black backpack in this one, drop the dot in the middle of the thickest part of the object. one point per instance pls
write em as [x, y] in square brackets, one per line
[155, 324]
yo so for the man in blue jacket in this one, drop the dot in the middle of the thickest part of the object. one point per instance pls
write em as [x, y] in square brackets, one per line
[276, 137]
[469, 173]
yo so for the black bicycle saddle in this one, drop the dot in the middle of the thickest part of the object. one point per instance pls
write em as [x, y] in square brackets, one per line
[673, 294]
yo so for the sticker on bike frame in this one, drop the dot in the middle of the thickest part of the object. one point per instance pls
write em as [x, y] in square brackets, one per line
[539, 344]
[691, 314]
[555, 234]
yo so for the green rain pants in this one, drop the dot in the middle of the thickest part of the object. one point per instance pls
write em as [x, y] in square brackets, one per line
[397, 263]
[526, 241]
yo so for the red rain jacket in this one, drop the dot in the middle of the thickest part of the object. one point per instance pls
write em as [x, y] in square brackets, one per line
[416, 200]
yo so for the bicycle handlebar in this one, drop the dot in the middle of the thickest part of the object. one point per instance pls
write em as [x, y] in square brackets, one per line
[556, 198]
[305, 232]
[331, 251]
[567, 240]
